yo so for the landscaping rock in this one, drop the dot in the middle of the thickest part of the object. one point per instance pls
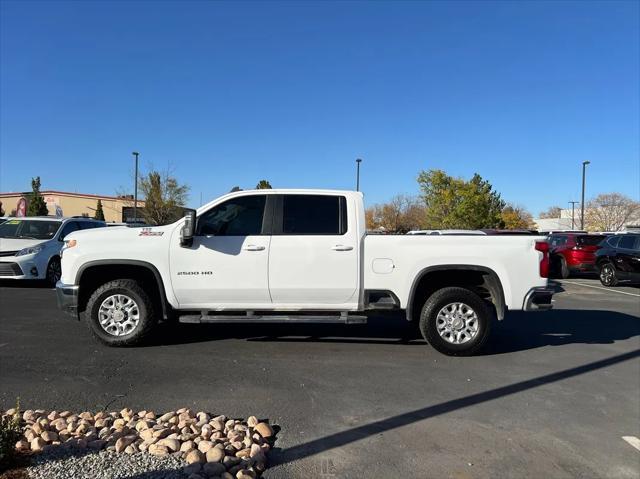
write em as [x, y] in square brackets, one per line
[211, 447]
[264, 429]
[215, 454]
[195, 456]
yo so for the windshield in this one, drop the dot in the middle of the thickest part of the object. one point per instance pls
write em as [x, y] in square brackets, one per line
[29, 229]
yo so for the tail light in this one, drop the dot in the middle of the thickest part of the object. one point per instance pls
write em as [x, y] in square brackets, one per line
[543, 247]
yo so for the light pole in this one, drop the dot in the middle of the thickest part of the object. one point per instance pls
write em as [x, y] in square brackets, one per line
[573, 209]
[358, 161]
[584, 171]
[135, 191]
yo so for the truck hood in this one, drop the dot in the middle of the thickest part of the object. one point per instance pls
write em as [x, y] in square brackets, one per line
[113, 233]
[16, 244]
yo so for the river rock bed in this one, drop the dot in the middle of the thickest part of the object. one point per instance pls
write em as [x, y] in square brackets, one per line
[142, 444]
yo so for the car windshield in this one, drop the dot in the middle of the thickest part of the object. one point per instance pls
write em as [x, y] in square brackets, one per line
[589, 240]
[29, 229]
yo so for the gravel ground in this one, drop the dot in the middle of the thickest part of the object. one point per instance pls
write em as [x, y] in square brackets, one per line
[59, 463]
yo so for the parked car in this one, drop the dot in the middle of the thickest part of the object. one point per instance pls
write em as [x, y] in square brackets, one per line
[30, 247]
[3, 219]
[573, 253]
[290, 256]
[619, 259]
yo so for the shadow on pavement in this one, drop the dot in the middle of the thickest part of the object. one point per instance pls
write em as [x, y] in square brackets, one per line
[520, 331]
[24, 283]
[339, 439]
[383, 329]
[559, 327]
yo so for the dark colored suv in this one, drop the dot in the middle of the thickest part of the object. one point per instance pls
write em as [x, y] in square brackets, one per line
[573, 252]
[619, 259]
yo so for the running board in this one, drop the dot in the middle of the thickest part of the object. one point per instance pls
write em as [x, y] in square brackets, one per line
[253, 318]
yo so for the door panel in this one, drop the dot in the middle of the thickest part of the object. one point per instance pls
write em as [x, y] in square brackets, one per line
[226, 266]
[628, 254]
[220, 271]
[314, 257]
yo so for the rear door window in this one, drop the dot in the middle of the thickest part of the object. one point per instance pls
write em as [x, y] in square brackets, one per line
[314, 215]
[628, 242]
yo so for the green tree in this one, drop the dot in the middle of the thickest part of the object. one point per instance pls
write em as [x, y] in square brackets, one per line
[99, 215]
[37, 205]
[164, 197]
[516, 217]
[263, 185]
[460, 204]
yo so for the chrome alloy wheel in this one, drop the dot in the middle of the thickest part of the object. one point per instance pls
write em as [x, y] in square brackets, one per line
[457, 323]
[606, 274]
[119, 315]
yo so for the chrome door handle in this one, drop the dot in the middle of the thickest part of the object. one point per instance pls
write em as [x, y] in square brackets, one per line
[341, 247]
[253, 247]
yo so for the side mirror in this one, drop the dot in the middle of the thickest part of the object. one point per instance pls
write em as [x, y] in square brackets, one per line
[188, 230]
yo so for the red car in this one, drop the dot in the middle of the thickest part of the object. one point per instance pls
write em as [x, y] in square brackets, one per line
[573, 252]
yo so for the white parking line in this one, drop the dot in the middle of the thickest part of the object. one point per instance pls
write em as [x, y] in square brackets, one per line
[603, 289]
[634, 441]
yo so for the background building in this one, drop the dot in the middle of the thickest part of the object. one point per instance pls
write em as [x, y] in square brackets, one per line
[64, 203]
[565, 221]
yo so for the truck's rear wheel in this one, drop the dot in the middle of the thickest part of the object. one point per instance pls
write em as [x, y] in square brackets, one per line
[120, 313]
[455, 321]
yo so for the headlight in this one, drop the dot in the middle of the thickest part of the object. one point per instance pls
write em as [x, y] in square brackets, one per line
[29, 250]
[67, 244]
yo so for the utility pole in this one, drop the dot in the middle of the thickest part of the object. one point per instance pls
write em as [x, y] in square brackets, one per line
[584, 169]
[573, 209]
[135, 191]
[358, 161]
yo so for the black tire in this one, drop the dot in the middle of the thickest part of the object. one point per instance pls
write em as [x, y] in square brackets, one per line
[607, 274]
[145, 308]
[429, 320]
[564, 269]
[54, 271]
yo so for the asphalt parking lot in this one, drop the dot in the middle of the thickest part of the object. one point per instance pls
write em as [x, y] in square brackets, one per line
[552, 395]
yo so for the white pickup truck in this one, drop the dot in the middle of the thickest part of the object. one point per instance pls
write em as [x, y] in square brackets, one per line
[297, 256]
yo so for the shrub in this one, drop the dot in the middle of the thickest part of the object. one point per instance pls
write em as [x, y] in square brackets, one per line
[10, 433]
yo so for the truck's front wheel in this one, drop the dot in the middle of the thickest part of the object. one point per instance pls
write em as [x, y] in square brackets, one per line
[120, 313]
[455, 321]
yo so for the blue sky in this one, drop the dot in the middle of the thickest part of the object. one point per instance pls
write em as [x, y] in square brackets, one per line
[230, 93]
